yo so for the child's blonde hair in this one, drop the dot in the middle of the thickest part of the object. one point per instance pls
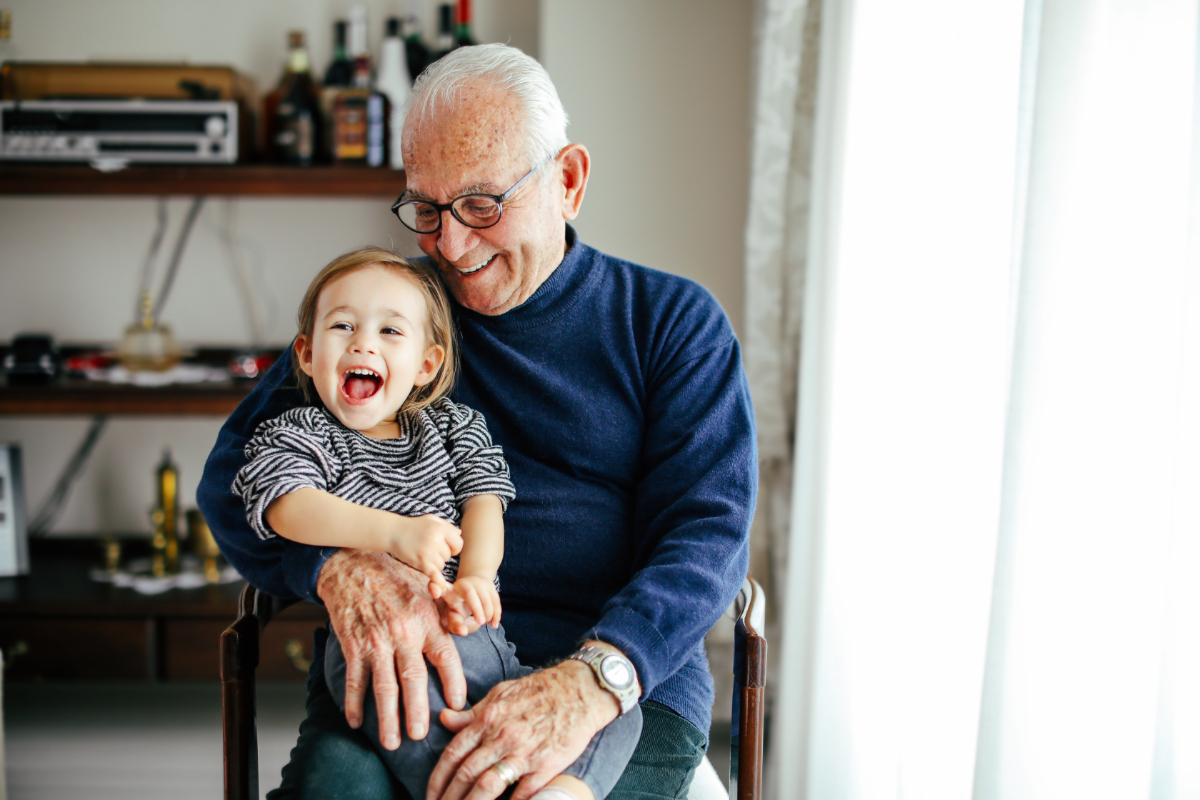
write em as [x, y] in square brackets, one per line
[440, 328]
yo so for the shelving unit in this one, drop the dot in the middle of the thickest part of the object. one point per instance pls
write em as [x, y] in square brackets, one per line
[90, 397]
[261, 180]
[76, 395]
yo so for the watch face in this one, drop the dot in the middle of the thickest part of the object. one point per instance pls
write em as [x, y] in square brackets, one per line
[617, 672]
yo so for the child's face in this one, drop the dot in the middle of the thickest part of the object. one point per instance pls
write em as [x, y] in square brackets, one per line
[369, 348]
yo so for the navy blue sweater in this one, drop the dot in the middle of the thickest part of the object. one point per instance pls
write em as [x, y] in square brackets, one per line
[618, 395]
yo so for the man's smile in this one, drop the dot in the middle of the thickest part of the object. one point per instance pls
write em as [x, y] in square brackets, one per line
[474, 269]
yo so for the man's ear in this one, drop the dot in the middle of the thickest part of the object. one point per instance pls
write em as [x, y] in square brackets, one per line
[435, 355]
[304, 354]
[576, 165]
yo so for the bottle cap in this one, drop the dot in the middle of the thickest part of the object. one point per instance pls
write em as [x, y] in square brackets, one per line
[393, 26]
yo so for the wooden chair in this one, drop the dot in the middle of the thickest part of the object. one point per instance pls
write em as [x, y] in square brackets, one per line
[239, 658]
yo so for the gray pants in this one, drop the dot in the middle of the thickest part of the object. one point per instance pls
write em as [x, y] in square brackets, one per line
[487, 659]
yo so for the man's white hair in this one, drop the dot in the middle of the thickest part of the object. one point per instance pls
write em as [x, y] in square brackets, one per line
[505, 68]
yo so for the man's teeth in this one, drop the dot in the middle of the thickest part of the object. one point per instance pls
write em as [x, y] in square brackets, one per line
[473, 270]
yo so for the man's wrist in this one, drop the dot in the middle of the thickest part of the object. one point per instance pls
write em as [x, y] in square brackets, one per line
[612, 672]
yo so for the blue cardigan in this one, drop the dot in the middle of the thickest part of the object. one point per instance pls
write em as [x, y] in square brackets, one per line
[618, 395]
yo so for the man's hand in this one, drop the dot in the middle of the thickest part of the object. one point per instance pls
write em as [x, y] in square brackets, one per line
[471, 602]
[388, 625]
[537, 725]
[426, 543]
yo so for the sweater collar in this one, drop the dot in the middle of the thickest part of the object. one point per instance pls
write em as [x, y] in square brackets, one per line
[561, 290]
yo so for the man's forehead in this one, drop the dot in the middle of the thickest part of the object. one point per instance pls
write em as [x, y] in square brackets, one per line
[463, 146]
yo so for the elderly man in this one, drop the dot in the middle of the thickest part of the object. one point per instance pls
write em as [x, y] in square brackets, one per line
[618, 396]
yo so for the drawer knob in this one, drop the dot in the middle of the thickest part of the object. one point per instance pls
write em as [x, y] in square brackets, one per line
[295, 651]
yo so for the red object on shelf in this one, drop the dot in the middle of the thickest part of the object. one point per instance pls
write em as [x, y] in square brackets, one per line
[250, 365]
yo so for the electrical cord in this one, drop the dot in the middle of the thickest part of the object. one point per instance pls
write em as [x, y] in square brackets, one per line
[177, 255]
[54, 504]
[151, 256]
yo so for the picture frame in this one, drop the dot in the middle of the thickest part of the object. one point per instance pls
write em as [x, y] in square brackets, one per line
[14, 537]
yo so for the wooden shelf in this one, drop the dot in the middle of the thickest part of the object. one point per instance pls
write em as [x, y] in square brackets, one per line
[262, 180]
[91, 397]
[76, 395]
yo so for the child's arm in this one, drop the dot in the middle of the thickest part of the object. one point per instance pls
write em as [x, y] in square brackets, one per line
[474, 590]
[312, 516]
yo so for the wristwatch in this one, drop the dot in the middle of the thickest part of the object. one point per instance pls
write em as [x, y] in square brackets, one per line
[614, 673]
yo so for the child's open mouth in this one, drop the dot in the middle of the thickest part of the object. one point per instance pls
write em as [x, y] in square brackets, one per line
[360, 384]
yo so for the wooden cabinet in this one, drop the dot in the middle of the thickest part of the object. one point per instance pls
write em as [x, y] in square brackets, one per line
[58, 624]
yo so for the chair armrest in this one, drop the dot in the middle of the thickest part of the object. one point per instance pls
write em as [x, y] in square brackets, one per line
[749, 688]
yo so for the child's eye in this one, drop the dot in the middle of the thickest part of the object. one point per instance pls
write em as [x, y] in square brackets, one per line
[391, 331]
[341, 326]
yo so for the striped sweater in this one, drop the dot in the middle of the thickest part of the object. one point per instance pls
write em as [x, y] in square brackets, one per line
[443, 456]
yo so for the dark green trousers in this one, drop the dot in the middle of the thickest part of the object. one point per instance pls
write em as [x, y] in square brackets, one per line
[335, 762]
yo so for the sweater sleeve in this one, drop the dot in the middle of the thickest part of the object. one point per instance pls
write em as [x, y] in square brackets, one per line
[277, 566]
[692, 508]
[479, 463]
[285, 454]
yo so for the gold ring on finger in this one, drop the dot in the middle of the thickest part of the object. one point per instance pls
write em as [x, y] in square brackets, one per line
[506, 773]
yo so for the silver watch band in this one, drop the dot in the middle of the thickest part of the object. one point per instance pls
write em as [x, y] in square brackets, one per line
[614, 672]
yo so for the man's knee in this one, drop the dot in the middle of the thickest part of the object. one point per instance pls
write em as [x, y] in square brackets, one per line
[332, 760]
[666, 757]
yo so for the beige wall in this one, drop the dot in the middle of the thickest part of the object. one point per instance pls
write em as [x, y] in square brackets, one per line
[657, 90]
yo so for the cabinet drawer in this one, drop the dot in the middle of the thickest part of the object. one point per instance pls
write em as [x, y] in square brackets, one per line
[192, 649]
[77, 649]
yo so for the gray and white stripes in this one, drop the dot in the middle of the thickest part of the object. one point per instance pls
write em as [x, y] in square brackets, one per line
[442, 457]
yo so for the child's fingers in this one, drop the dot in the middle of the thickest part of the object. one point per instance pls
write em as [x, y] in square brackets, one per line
[439, 586]
[476, 604]
[454, 600]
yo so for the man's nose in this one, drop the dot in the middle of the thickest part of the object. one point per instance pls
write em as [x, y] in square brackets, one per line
[454, 238]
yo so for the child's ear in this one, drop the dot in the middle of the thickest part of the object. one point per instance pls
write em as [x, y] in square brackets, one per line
[435, 355]
[304, 354]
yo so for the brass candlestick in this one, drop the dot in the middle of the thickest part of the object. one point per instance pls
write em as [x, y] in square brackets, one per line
[203, 544]
[159, 542]
[168, 505]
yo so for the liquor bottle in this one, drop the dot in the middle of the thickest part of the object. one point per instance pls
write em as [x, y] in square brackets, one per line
[462, 34]
[338, 76]
[415, 50]
[340, 71]
[295, 110]
[394, 82]
[445, 40]
[360, 120]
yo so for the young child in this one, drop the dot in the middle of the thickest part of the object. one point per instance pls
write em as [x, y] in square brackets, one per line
[377, 344]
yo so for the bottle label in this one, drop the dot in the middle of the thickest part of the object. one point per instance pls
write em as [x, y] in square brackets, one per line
[377, 126]
[350, 129]
[294, 135]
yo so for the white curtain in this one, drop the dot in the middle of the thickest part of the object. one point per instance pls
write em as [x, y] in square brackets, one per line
[776, 249]
[993, 585]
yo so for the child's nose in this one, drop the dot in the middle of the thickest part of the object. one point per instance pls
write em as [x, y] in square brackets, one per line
[365, 343]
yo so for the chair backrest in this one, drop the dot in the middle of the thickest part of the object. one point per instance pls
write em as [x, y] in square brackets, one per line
[239, 659]
[749, 687]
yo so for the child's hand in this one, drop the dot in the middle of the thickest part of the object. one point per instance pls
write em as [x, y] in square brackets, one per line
[425, 543]
[471, 602]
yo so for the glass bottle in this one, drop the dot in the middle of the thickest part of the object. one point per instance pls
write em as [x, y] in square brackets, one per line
[394, 82]
[415, 50]
[296, 122]
[338, 76]
[463, 36]
[445, 40]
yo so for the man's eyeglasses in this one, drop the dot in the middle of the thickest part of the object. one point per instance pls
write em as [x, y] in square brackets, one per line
[472, 210]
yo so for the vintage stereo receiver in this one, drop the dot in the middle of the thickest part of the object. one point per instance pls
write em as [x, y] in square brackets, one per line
[136, 131]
